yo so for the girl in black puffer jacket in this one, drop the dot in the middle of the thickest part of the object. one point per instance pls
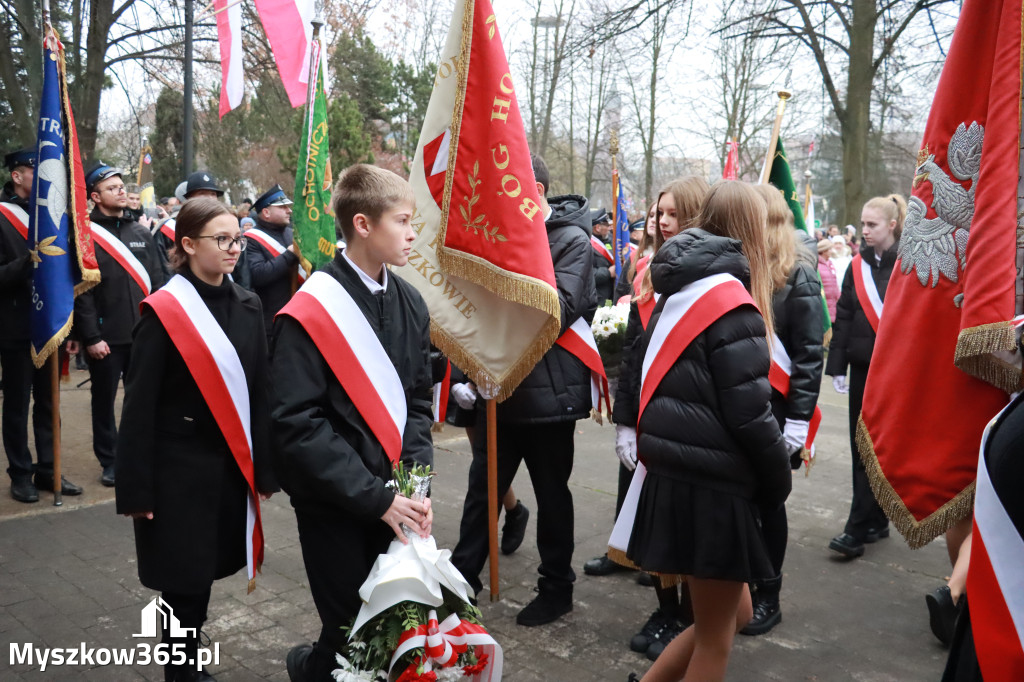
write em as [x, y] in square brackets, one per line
[713, 451]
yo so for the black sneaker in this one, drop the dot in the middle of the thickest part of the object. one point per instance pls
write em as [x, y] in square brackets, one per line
[602, 565]
[514, 530]
[766, 616]
[671, 631]
[295, 663]
[23, 490]
[44, 481]
[649, 633]
[107, 478]
[847, 545]
[544, 609]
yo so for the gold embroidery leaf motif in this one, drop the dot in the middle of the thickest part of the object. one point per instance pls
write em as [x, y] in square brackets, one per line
[47, 248]
[479, 223]
[490, 27]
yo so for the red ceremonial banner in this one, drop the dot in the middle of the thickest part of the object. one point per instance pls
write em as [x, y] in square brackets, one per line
[943, 359]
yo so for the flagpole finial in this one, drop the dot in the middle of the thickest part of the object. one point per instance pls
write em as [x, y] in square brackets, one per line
[785, 94]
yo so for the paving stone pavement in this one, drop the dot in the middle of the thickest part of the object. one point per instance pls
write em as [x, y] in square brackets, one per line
[68, 577]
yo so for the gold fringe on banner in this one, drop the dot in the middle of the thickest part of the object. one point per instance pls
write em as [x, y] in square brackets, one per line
[916, 533]
[974, 355]
[39, 359]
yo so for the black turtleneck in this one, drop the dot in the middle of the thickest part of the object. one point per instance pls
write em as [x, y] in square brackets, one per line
[217, 298]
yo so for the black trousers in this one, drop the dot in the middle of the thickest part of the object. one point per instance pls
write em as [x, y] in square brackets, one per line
[22, 382]
[190, 610]
[547, 450]
[865, 513]
[106, 374]
[338, 551]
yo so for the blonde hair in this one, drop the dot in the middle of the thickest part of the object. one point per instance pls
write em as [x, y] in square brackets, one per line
[734, 209]
[369, 190]
[781, 235]
[688, 193]
[893, 207]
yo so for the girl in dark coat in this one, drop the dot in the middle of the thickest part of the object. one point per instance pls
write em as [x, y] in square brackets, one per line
[176, 476]
[713, 451]
[853, 340]
[799, 320]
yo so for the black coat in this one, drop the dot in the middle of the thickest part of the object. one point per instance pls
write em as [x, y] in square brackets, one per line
[604, 279]
[627, 391]
[270, 275]
[15, 277]
[798, 324]
[558, 387]
[325, 455]
[853, 339]
[172, 458]
[109, 311]
[709, 421]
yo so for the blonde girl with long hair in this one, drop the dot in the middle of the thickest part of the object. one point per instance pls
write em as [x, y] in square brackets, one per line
[714, 453]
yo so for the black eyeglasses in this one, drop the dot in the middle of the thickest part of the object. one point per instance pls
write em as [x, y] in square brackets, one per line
[224, 242]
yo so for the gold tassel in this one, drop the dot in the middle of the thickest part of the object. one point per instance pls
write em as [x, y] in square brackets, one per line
[827, 341]
[438, 427]
[808, 461]
[252, 585]
[619, 557]
[916, 533]
[974, 348]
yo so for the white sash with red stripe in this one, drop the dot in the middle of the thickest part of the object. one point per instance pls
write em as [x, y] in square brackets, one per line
[578, 339]
[16, 216]
[441, 389]
[355, 355]
[778, 376]
[167, 229]
[214, 364]
[117, 250]
[600, 247]
[867, 292]
[995, 580]
[267, 241]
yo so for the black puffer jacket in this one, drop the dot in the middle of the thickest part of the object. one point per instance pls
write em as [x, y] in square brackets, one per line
[709, 421]
[558, 388]
[798, 324]
[853, 339]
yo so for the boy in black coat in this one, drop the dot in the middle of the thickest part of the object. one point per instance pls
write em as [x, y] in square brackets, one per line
[327, 456]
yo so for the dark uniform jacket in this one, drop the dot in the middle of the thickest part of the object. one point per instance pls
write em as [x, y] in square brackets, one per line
[15, 277]
[558, 387]
[799, 316]
[270, 275]
[109, 311]
[326, 457]
[709, 421]
[604, 280]
[853, 339]
[172, 458]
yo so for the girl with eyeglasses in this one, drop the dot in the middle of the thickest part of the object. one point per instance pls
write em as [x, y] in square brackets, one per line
[192, 458]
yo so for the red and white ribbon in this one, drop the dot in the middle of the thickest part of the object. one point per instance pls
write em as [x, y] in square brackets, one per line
[117, 250]
[217, 370]
[441, 389]
[995, 581]
[443, 642]
[355, 355]
[167, 229]
[778, 376]
[229, 38]
[579, 340]
[16, 216]
[602, 250]
[867, 292]
[275, 247]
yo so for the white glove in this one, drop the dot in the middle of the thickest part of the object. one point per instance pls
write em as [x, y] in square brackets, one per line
[625, 445]
[839, 383]
[464, 395]
[795, 433]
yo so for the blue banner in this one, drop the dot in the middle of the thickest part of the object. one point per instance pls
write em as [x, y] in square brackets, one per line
[53, 287]
[622, 247]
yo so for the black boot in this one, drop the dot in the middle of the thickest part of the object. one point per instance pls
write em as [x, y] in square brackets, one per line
[44, 481]
[942, 614]
[766, 608]
[514, 530]
[548, 606]
[650, 632]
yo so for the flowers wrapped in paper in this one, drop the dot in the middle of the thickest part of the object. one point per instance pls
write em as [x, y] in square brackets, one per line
[417, 622]
[609, 327]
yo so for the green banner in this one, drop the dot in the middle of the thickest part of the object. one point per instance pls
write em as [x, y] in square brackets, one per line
[782, 177]
[313, 217]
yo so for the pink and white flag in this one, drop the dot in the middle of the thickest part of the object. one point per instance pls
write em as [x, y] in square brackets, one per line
[229, 36]
[288, 28]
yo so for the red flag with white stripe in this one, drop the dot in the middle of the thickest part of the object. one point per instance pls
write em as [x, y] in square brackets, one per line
[229, 37]
[289, 32]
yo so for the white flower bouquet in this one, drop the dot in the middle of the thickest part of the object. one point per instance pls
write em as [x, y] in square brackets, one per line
[609, 327]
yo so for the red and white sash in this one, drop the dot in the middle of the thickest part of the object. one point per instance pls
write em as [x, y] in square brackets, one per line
[686, 314]
[578, 339]
[601, 249]
[441, 389]
[117, 250]
[212, 360]
[275, 247]
[995, 580]
[355, 355]
[16, 216]
[167, 229]
[778, 376]
[867, 292]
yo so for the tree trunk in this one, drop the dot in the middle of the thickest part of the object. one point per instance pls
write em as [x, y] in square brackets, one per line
[649, 147]
[89, 90]
[856, 120]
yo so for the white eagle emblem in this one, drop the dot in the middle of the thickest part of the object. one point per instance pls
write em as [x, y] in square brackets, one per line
[937, 246]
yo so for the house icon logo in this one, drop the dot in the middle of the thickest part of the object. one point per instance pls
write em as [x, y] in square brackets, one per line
[158, 614]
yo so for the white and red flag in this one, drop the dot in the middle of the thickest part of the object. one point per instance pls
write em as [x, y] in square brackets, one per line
[229, 37]
[289, 31]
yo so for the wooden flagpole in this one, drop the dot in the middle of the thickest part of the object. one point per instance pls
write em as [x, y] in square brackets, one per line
[58, 482]
[766, 170]
[492, 493]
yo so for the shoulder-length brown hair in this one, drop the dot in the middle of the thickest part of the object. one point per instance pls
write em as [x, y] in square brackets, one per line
[781, 235]
[687, 194]
[190, 221]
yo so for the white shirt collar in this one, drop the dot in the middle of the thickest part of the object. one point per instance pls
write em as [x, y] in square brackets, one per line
[373, 285]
